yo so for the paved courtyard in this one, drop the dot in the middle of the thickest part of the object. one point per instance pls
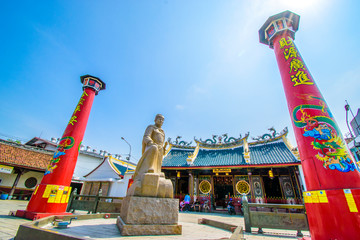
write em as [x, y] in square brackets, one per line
[108, 230]
[9, 224]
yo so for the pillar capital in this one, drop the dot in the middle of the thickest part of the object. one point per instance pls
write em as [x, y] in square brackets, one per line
[92, 82]
[285, 22]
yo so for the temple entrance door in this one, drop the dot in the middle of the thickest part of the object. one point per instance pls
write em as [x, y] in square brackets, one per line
[183, 186]
[272, 187]
[223, 189]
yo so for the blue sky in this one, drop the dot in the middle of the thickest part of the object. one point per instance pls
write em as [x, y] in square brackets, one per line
[199, 63]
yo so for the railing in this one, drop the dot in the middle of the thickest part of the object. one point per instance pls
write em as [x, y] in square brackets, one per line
[276, 200]
[94, 203]
[278, 216]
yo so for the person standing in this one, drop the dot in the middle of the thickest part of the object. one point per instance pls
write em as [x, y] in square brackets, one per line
[187, 200]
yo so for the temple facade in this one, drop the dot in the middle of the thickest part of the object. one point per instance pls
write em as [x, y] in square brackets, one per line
[266, 169]
[22, 167]
[111, 177]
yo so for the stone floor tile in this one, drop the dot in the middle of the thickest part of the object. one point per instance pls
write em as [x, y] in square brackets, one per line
[109, 230]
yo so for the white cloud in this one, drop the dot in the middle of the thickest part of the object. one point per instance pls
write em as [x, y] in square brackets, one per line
[180, 107]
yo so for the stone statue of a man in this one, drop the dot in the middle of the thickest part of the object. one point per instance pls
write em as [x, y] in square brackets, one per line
[148, 179]
[152, 148]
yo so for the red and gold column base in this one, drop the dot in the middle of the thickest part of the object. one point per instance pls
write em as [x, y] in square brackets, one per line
[47, 200]
[36, 215]
[339, 211]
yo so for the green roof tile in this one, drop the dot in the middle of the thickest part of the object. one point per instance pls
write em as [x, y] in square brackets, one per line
[270, 153]
[220, 157]
[177, 157]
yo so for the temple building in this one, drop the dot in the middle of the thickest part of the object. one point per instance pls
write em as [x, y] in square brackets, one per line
[267, 169]
[22, 167]
[354, 141]
[111, 177]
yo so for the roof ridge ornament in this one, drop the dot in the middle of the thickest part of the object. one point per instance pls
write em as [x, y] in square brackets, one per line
[179, 143]
[221, 140]
[271, 136]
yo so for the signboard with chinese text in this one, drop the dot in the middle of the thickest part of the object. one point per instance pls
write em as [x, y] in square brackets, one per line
[221, 170]
[6, 169]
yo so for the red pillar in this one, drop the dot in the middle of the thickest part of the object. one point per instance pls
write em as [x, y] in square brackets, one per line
[51, 195]
[331, 175]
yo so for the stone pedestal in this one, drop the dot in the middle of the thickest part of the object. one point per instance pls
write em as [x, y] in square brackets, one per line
[149, 216]
[151, 185]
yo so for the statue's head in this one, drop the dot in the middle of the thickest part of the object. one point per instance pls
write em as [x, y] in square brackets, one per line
[159, 120]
